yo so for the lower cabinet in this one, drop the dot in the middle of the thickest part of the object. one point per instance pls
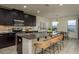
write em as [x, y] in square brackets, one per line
[7, 39]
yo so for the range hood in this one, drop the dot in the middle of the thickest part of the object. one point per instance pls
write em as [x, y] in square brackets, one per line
[18, 25]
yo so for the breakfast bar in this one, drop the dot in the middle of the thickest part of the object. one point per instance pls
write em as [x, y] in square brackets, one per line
[31, 44]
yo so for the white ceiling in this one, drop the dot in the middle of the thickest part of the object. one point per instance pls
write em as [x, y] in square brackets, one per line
[49, 11]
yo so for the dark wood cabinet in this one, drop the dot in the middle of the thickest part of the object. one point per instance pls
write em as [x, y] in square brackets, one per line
[2, 16]
[29, 20]
[26, 20]
[5, 17]
[8, 18]
[7, 39]
[17, 14]
[33, 20]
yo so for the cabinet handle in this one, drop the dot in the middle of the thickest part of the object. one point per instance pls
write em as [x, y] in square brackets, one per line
[1, 35]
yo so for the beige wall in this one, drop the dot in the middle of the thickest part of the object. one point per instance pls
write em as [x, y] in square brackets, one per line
[44, 20]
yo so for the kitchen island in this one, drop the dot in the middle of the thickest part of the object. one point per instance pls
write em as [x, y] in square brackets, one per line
[28, 40]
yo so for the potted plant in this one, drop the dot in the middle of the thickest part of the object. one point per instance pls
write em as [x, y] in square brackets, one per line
[49, 30]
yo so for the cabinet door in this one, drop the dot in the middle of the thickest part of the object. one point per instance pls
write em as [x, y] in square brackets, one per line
[20, 15]
[29, 20]
[17, 14]
[5, 17]
[33, 20]
[26, 21]
[2, 17]
[7, 39]
[14, 14]
[8, 18]
[10, 39]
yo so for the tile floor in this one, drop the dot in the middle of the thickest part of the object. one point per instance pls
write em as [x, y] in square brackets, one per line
[8, 50]
[70, 47]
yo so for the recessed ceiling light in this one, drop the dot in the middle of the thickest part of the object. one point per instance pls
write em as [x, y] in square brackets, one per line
[38, 11]
[25, 6]
[61, 4]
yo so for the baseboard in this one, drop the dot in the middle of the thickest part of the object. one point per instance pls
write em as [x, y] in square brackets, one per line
[73, 38]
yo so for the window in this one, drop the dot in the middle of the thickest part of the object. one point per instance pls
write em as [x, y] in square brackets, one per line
[71, 25]
[54, 25]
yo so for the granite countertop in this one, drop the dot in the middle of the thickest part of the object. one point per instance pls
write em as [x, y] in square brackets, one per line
[32, 35]
[5, 32]
[27, 35]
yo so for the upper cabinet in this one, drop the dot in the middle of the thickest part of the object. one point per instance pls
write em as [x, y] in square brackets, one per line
[29, 20]
[8, 18]
[2, 16]
[5, 17]
[17, 14]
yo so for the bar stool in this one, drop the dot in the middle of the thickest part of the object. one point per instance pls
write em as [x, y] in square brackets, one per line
[38, 39]
[45, 37]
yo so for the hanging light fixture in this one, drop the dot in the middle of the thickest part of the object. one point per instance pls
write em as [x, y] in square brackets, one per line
[57, 20]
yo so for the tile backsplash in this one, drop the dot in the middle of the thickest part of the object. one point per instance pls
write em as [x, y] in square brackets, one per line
[9, 28]
[5, 28]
